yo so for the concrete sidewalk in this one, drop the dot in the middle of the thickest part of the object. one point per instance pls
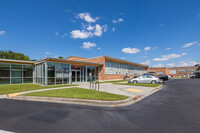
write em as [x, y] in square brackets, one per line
[127, 90]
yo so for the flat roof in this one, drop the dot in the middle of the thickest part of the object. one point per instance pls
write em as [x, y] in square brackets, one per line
[17, 61]
[73, 62]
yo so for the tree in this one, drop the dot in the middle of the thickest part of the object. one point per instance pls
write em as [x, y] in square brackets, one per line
[12, 55]
[60, 57]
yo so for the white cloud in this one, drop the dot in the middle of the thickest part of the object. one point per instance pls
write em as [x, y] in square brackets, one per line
[189, 44]
[183, 63]
[80, 34]
[56, 33]
[48, 53]
[117, 20]
[171, 65]
[146, 62]
[88, 45]
[130, 50]
[98, 30]
[105, 27]
[168, 57]
[168, 48]
[90, 27]
[64, 35]
[95, 30]
[99, 48]
[113, 29]
[2, 32]
[87, 17]
[147, 48]
[123, 58]
[159, 65]
[187, 63]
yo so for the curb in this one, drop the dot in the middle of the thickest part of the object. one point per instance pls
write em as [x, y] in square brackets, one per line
[118, 103]
[74, 101]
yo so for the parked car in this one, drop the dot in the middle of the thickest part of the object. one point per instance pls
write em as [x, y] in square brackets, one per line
[145, 74]
[169, 77]
[162, 77]
[144, 79]
[195, 76]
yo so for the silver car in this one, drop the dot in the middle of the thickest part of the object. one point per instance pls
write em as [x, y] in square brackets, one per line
[145, 79]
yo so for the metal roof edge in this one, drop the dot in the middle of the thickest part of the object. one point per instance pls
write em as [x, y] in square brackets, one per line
[18, 60]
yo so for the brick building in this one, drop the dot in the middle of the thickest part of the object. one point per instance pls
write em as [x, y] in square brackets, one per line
[174, 71]
[53, 71]
[114, 68]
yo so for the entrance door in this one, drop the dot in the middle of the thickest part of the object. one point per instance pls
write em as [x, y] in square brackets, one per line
[73, 76]
[76, 76]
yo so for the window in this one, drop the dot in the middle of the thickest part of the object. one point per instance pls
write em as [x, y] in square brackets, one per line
[172, 71]
[182, 70]
[16, 74]
[27, 74]
[4, 73]
[121, 68]
[159, 73]
[4, 70]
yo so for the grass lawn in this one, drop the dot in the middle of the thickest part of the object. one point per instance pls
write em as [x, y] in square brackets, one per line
[79, 93]
[114, 81]
[139, 84]
[7, 89]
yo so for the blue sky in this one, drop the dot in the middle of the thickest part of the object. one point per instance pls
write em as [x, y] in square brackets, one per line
[152, 32]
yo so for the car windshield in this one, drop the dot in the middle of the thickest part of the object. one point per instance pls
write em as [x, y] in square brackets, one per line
[148, 76]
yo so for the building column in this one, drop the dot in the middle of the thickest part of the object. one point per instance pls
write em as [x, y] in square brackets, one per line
[46, 74]
[86, 74]
[98, 73]
[70, 74]
[10, 75]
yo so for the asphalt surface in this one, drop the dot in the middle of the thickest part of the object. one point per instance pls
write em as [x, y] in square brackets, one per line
[173, 109]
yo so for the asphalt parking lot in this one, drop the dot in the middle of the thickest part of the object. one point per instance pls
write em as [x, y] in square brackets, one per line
[173, 109]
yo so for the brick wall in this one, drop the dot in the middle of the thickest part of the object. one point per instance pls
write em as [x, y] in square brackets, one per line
[100, 59]
[165, 70]
[182, 73]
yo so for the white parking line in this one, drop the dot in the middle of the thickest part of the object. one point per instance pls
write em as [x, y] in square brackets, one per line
[3, 131]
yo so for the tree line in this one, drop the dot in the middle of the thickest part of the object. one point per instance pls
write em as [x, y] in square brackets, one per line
[16, 56]
[12, 55]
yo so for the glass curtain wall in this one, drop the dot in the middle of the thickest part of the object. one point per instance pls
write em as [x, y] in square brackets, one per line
[58, 73]
[15, 73]
[78, 73]
[4, 73]
[39, 74]
[92, 73]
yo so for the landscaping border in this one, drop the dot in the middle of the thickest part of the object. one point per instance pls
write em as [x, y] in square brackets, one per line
[88, 102]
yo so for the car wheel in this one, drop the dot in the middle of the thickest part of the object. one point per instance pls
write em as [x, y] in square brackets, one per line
[134, 82]
[153, 82]
[161, 80]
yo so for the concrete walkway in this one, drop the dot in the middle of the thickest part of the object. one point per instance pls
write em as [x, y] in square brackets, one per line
[126, 90]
